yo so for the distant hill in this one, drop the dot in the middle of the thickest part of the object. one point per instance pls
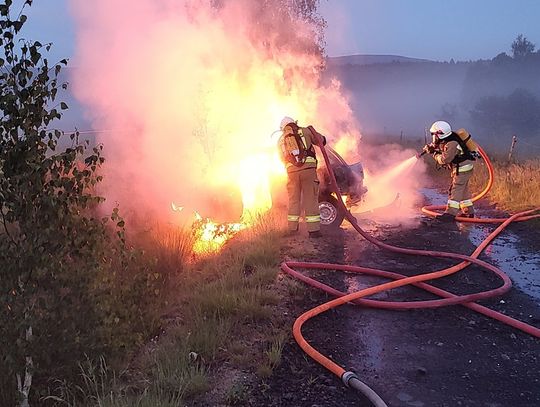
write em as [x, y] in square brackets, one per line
[371, 59]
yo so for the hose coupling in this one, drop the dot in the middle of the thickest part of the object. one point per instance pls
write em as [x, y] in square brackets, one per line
[347, 376]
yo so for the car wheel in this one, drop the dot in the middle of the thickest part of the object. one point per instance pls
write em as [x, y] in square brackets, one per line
[332, 213]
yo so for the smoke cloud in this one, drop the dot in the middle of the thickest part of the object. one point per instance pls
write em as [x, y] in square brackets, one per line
[191, 92]
[393, 177]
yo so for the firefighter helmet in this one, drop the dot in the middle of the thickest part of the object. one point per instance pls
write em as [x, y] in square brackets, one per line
[285, 121]
[440, 129]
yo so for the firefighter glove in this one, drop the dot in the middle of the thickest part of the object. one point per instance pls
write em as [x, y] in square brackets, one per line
[429, 148]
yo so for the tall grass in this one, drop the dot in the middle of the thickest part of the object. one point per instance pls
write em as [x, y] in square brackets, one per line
[516, 186]
[101, 387]
[272, 356]
[214, 301]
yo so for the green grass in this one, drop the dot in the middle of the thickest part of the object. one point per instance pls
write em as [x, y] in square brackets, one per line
[229, 290]
[176, 370]
[223, 306]
[238, 394]
[272, 354]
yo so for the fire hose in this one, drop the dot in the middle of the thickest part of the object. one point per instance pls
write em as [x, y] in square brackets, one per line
[349, 378]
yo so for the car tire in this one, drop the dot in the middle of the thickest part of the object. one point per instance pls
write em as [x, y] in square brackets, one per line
[332, 214]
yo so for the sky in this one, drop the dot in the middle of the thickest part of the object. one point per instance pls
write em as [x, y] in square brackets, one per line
[430, 29]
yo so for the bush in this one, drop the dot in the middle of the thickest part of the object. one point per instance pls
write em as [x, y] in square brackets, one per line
[70, 288]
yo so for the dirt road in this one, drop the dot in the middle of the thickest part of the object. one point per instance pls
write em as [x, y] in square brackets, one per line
[439, 357]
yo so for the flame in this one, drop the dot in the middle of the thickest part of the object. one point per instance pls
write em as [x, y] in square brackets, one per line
[347, 147]
[196, 95]
[254, 179]
[211, 236]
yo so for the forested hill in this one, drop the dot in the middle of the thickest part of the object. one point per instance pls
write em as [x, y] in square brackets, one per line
[370, 59]
[494, 98]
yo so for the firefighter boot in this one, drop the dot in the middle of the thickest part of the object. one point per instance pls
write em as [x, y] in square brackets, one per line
[445, 218]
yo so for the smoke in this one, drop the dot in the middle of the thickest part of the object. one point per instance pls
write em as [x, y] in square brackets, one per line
[393, 177]
[191, 91]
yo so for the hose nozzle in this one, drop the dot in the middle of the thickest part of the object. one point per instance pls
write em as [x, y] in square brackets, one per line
[428, 148]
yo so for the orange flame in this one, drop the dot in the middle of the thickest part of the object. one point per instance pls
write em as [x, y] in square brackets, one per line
[211, 236]
[254, 178]
[347, 147]
[198, 115]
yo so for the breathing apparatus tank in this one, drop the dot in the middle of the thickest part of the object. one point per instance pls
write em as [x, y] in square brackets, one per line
[467, 139]
[292, 149]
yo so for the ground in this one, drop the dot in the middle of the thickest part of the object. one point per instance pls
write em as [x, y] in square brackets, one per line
[448, 356]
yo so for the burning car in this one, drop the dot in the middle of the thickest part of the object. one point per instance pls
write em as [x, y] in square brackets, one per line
[221, 209]
[350, 180]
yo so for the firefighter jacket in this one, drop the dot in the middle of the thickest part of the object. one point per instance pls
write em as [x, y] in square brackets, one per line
[308, 138]
[450, 155]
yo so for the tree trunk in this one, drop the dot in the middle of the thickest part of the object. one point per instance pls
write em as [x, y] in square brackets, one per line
[24, 387]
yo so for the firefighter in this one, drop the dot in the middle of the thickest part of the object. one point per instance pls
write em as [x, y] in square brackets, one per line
[298, 154]
[456, 151]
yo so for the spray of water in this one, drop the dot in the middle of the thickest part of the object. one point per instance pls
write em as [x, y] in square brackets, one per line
[393, 174]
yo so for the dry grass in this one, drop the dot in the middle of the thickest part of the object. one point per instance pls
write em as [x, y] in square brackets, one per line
[516, 186]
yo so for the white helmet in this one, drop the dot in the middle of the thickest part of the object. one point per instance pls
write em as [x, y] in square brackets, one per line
[440, 129]
[285, 121]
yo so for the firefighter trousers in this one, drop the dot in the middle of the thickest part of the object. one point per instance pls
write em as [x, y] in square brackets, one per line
[303, 192]
[459, 196]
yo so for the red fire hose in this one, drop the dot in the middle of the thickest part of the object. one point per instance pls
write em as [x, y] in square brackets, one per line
[349, 378]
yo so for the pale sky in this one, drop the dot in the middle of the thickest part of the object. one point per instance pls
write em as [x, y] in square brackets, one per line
[431, 29]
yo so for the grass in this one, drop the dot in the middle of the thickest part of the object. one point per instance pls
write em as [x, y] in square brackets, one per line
[516, 186]
[274, 352]
[176, 370]
[237, 395]
[228, 291]
[223, 312]
[272, 356]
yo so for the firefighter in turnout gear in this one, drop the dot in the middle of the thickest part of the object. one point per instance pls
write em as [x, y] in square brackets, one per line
[298, 154]
[457, 151]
